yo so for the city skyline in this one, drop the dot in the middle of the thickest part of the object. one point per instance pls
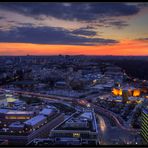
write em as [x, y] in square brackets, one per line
[73, 28]
[73, 101]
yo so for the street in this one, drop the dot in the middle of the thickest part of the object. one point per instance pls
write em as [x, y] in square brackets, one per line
[112, 134]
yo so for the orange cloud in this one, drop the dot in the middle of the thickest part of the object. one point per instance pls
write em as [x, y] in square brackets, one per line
[125, 47]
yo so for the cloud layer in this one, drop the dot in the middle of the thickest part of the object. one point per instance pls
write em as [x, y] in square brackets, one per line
[51, 35]
[37, 28]
[71, 11]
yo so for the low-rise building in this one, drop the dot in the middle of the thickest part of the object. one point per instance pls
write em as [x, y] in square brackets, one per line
[22, 132]
[82, 125]
[8, 116]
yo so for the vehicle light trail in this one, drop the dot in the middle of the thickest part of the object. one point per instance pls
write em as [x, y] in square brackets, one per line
[102, 124]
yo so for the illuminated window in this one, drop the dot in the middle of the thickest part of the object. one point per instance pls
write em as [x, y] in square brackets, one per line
[120, 92]
[128, 102]
[117, 92]
[16, 117]
[136, 93]
[10, 117]
[21, 117]
[76, 135]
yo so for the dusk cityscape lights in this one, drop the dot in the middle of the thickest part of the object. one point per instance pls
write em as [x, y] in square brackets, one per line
[73, 74]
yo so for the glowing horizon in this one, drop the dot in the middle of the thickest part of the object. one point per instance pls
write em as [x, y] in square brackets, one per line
[125, 48]
[35, 30]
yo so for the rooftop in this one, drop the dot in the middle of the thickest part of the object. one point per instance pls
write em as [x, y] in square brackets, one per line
[78, 118]
[47, 111]
[87, 115]
[19, 112]
[33, 121]
[16, 124]
[7, 111]
[3, 111]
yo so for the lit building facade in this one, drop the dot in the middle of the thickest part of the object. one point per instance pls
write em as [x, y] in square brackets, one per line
[126, 92]
[144, 125]
[39, 126]
[8, 116]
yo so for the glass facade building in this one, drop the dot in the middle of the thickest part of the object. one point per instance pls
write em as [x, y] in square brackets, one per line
[144, 124]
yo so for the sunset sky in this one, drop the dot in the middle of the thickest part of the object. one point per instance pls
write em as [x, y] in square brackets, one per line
[73, 28]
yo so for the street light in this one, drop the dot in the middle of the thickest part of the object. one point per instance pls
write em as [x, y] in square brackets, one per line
[88, 105]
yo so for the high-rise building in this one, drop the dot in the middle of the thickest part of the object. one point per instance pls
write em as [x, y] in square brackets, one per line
[144, 124]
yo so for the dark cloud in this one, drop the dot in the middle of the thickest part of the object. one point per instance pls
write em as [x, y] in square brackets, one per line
[79, 11]
[111, 22]
[49, 35]
[119, 24]
[84, 31]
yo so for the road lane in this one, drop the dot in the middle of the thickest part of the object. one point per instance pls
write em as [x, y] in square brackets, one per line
[110, 135]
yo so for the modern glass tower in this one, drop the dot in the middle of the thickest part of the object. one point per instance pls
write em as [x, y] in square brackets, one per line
[144, 124]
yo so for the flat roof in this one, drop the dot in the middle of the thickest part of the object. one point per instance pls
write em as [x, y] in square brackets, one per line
[87, 115]
[7, 111]
[16, 124]
[68, 139]
[46, 111]
[77, 116]
[19, 112]
[4, 111]
[33, 121]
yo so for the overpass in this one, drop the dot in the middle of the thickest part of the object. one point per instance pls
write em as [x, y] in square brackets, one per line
[39, 95]
[112, 116]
